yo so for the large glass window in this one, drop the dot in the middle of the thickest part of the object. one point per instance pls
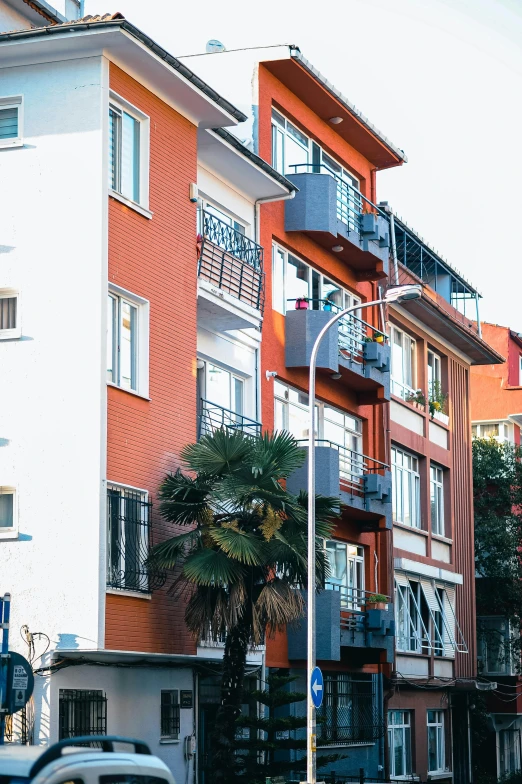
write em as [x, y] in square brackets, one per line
[402, 363]
[290, 146]
[349, 199]
[122, 342]
[124, 153]
[399, 742]
[509, 751]
[436, 754]
[500, 431]
[437, 500]
[412, 618]
[406, 488]
[292, 279]
[497, 646]
[346, 562]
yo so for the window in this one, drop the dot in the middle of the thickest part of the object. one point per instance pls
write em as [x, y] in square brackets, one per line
[11, 120]
[520, 371]
[290, 147]
[8, 512]
[346, 562]
[170, 725]
[434, 373]
[402, 363]
[128, 152]
[82, 712]
[399, 742]
[127, 341]
[349, 199]
[436, 754]
[500, 431]
[412, 618]
[348, 713]
[497, 646]
[406, 488]
[128, 539]
[425, 617]
[437, 500]
[509, 751]
[293, 279]
[222, 400]
[9, 315]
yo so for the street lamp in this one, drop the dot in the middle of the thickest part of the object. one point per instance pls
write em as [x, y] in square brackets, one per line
[393, 294]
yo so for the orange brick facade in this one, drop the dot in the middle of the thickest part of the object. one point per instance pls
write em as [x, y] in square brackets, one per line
[155, 259]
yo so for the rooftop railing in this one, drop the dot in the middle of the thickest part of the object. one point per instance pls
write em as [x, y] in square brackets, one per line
[213, 417]
[353, 466]
[230, 261]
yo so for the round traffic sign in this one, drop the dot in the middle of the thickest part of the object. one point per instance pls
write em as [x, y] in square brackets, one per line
[316, 687]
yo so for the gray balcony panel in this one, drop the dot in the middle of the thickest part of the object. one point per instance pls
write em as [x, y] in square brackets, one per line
[314, 207]
[301, 330]
[328, 632]
[326, 473]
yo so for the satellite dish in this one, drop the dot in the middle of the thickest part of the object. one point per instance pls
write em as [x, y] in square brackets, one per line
[214, 46]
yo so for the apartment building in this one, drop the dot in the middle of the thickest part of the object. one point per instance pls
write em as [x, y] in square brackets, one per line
[124, 211]
[496, 403]
[434, 345]
[330, 250]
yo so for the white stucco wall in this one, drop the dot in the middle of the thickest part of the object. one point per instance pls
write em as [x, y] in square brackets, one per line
[53, 205]
[226, 197]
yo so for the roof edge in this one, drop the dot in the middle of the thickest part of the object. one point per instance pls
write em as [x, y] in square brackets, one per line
[47, 11]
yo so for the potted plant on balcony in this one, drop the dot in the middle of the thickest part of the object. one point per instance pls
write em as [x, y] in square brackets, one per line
[378, 337]
[376, 601]
[301, 303]
[437, 402]
[417, 398]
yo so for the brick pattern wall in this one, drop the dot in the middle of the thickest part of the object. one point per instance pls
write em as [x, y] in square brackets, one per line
[155, 259]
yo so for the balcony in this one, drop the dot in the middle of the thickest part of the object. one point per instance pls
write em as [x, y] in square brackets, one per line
[334, 213]
[129, 542]
[230, 276]
[352, 347]
[362, 483]
[212, 417]
[344, 620]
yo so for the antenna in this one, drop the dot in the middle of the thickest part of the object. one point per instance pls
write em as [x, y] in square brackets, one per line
[214, 46]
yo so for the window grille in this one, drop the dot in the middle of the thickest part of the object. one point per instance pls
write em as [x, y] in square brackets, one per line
[170, 719]
[349, 713]
[82, 712]
[8, 306]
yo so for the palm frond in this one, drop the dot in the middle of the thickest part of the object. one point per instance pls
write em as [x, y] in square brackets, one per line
[276, 455]
[277, 605]
[239, 545]
[211, 567]
[183, 499]
[167, 554]
[218, 452]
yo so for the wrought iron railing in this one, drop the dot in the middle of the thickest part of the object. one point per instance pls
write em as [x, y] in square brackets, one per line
[350, 712]
[213, 417]
[129, 542]
[353, 466]
[353, 331]
[230, 261]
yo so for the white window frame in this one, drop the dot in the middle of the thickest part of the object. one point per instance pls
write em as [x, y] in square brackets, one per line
[348, 297]
[16, 332]
[436, 364]
[398, 385]
[12, 531]
[14, 102]
[438, 725]
[352, 597]
[119, 487]
[505, 431]
[142, 342]
[280, 130]
[437, 500]
[405, 726]
[402, 479]
[122, 105]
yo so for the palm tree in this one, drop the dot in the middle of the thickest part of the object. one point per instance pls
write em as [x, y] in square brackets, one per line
[244, 555]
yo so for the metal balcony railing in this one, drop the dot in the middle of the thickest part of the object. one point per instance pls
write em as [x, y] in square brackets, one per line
[353, 605]
[353, 331]
[353, 466]
[214, 417]
[129, 542]
[230, 261]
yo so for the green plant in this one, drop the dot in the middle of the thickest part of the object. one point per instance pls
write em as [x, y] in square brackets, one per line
[375, 598]
[242, 555]
[437, 399]
[416, 397]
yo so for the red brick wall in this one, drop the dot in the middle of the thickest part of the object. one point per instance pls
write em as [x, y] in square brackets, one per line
[155, 259]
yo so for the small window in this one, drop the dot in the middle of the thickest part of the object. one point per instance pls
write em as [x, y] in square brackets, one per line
[128, 539]
[406, 488]
[434, 374]
[402, 363]
[170, 724]
[399, 742]
[128, 341]
[7, 510]
[81, 712]
[9, 314]
[437, 500]
[436, 753]
[128, 152]
[11, 122]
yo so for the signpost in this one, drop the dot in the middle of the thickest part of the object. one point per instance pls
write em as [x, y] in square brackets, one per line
[16, 674]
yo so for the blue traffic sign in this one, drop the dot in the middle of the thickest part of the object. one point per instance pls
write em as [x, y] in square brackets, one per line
[316, 687]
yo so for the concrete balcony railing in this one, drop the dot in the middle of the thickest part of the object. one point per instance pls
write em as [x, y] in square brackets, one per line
[346, 619]
[335, 213]
[352, 347]
[363, 484]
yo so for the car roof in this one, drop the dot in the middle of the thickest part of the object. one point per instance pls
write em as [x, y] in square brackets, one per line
[18, 760]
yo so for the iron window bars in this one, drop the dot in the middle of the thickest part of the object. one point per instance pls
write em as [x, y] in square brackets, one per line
[349, 713]
[82, 712]
[129, 541]
[170, 714]
[213, 417]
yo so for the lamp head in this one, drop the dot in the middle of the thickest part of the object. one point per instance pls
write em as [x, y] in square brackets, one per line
[403, 293]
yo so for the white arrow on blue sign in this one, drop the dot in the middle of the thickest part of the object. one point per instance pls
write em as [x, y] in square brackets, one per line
[316, 687]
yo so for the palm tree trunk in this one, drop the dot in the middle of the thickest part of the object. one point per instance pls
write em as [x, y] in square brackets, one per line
[234, 663]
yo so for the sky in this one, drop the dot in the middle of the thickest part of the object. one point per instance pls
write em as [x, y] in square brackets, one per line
[441, 78]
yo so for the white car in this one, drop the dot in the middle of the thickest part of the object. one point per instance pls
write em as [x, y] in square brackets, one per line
[67, 762]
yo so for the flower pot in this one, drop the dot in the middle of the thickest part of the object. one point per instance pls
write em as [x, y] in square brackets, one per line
[379, 339]
[301, 304]
[375, 605]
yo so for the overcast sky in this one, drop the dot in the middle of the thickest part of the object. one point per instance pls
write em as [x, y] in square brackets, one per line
[441, 78]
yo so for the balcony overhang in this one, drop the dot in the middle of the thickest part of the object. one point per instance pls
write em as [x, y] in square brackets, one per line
[323, 99]
[129, 48]
[221, 152]
[106, 658]
[217, 309]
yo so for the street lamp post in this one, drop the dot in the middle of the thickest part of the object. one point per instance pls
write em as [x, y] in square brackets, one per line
[393, 294]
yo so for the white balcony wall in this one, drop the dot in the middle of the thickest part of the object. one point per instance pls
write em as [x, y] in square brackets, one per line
[226, 197]
[53, 250]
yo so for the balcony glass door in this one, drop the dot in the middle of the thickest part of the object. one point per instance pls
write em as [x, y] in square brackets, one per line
[346, 562]
[349, 202]
[345, 431]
